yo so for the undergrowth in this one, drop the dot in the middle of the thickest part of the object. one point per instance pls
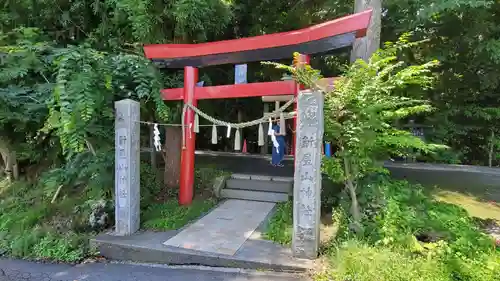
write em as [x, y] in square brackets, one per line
[407, 235]
[280, 228]
[171, 216]
[32, 227]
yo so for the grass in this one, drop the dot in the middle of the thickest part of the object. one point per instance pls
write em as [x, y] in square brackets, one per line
[355, 260]
[171, 216]
[390, 250]
[280, 228]
[410, 236]
[31, 227]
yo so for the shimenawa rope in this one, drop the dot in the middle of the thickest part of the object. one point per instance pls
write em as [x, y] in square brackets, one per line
[279, 112]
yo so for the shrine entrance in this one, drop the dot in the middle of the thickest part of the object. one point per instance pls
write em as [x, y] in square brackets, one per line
[226, 233]
[316, 39]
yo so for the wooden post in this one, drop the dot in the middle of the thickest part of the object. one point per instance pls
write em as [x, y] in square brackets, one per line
[263, 149]
[152, 147]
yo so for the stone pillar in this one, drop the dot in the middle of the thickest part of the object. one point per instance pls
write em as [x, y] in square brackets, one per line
[307, 177]
[127, 162]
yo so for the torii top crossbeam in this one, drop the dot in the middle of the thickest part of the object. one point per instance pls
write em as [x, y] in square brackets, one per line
[316, 39]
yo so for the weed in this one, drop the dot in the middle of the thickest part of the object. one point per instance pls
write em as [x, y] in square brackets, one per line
[170, 216]
[280, 228]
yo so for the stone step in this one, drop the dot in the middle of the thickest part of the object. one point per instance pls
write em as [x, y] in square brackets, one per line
[260, 185]
[148, 247]
[254, 195]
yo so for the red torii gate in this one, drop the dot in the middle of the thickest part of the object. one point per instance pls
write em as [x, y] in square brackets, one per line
[316, 39]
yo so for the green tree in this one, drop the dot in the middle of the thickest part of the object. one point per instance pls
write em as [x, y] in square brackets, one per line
[361, 111]
[463, 36]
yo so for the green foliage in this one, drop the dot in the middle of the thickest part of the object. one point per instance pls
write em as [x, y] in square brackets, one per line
[408, 210]
[151, 185]
[197, 19]
[402, 222]
[355, 260]
[23, 90]
[171, 216]
[280, 228]
[64, 248]
[463, 35]
[87, 84]
[31, 227]
[361, 111]
[204, 177]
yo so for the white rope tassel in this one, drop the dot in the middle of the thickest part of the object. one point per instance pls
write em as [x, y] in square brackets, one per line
[282, 124]
[156, 138]
[237, 140]
[214, 134]
[228, 134]
[261, 135]
[196, 123]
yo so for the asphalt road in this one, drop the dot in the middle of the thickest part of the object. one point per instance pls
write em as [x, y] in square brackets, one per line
[17, 270]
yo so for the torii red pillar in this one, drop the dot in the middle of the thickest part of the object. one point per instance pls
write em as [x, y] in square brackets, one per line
[187, 156]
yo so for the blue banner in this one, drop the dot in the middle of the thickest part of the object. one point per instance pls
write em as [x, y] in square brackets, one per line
[240, 74]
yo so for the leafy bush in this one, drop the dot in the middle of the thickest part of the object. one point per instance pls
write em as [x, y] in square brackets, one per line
[358, 261]
[60, 247]
[204, 177]
[151, 186]
[402, 222]
[280, 228]
[362, 109]
[171, 216]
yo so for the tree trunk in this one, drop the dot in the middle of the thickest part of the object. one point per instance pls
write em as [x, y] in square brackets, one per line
[152, 153]
[364, 47]
[173, 148]
[351, 186]
[491, 149]
[355, 212]
[10, 161]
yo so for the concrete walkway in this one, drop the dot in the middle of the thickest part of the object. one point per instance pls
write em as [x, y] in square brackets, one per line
[16, 270]
[225, 229]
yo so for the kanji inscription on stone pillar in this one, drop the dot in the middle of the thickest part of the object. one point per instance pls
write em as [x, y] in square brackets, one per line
[127, 156]
[307, 178]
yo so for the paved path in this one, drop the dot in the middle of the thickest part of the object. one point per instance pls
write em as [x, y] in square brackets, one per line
[224, 229]
[16, 270]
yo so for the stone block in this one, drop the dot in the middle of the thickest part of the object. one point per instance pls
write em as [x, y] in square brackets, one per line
[127, 164]
[307, 177]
